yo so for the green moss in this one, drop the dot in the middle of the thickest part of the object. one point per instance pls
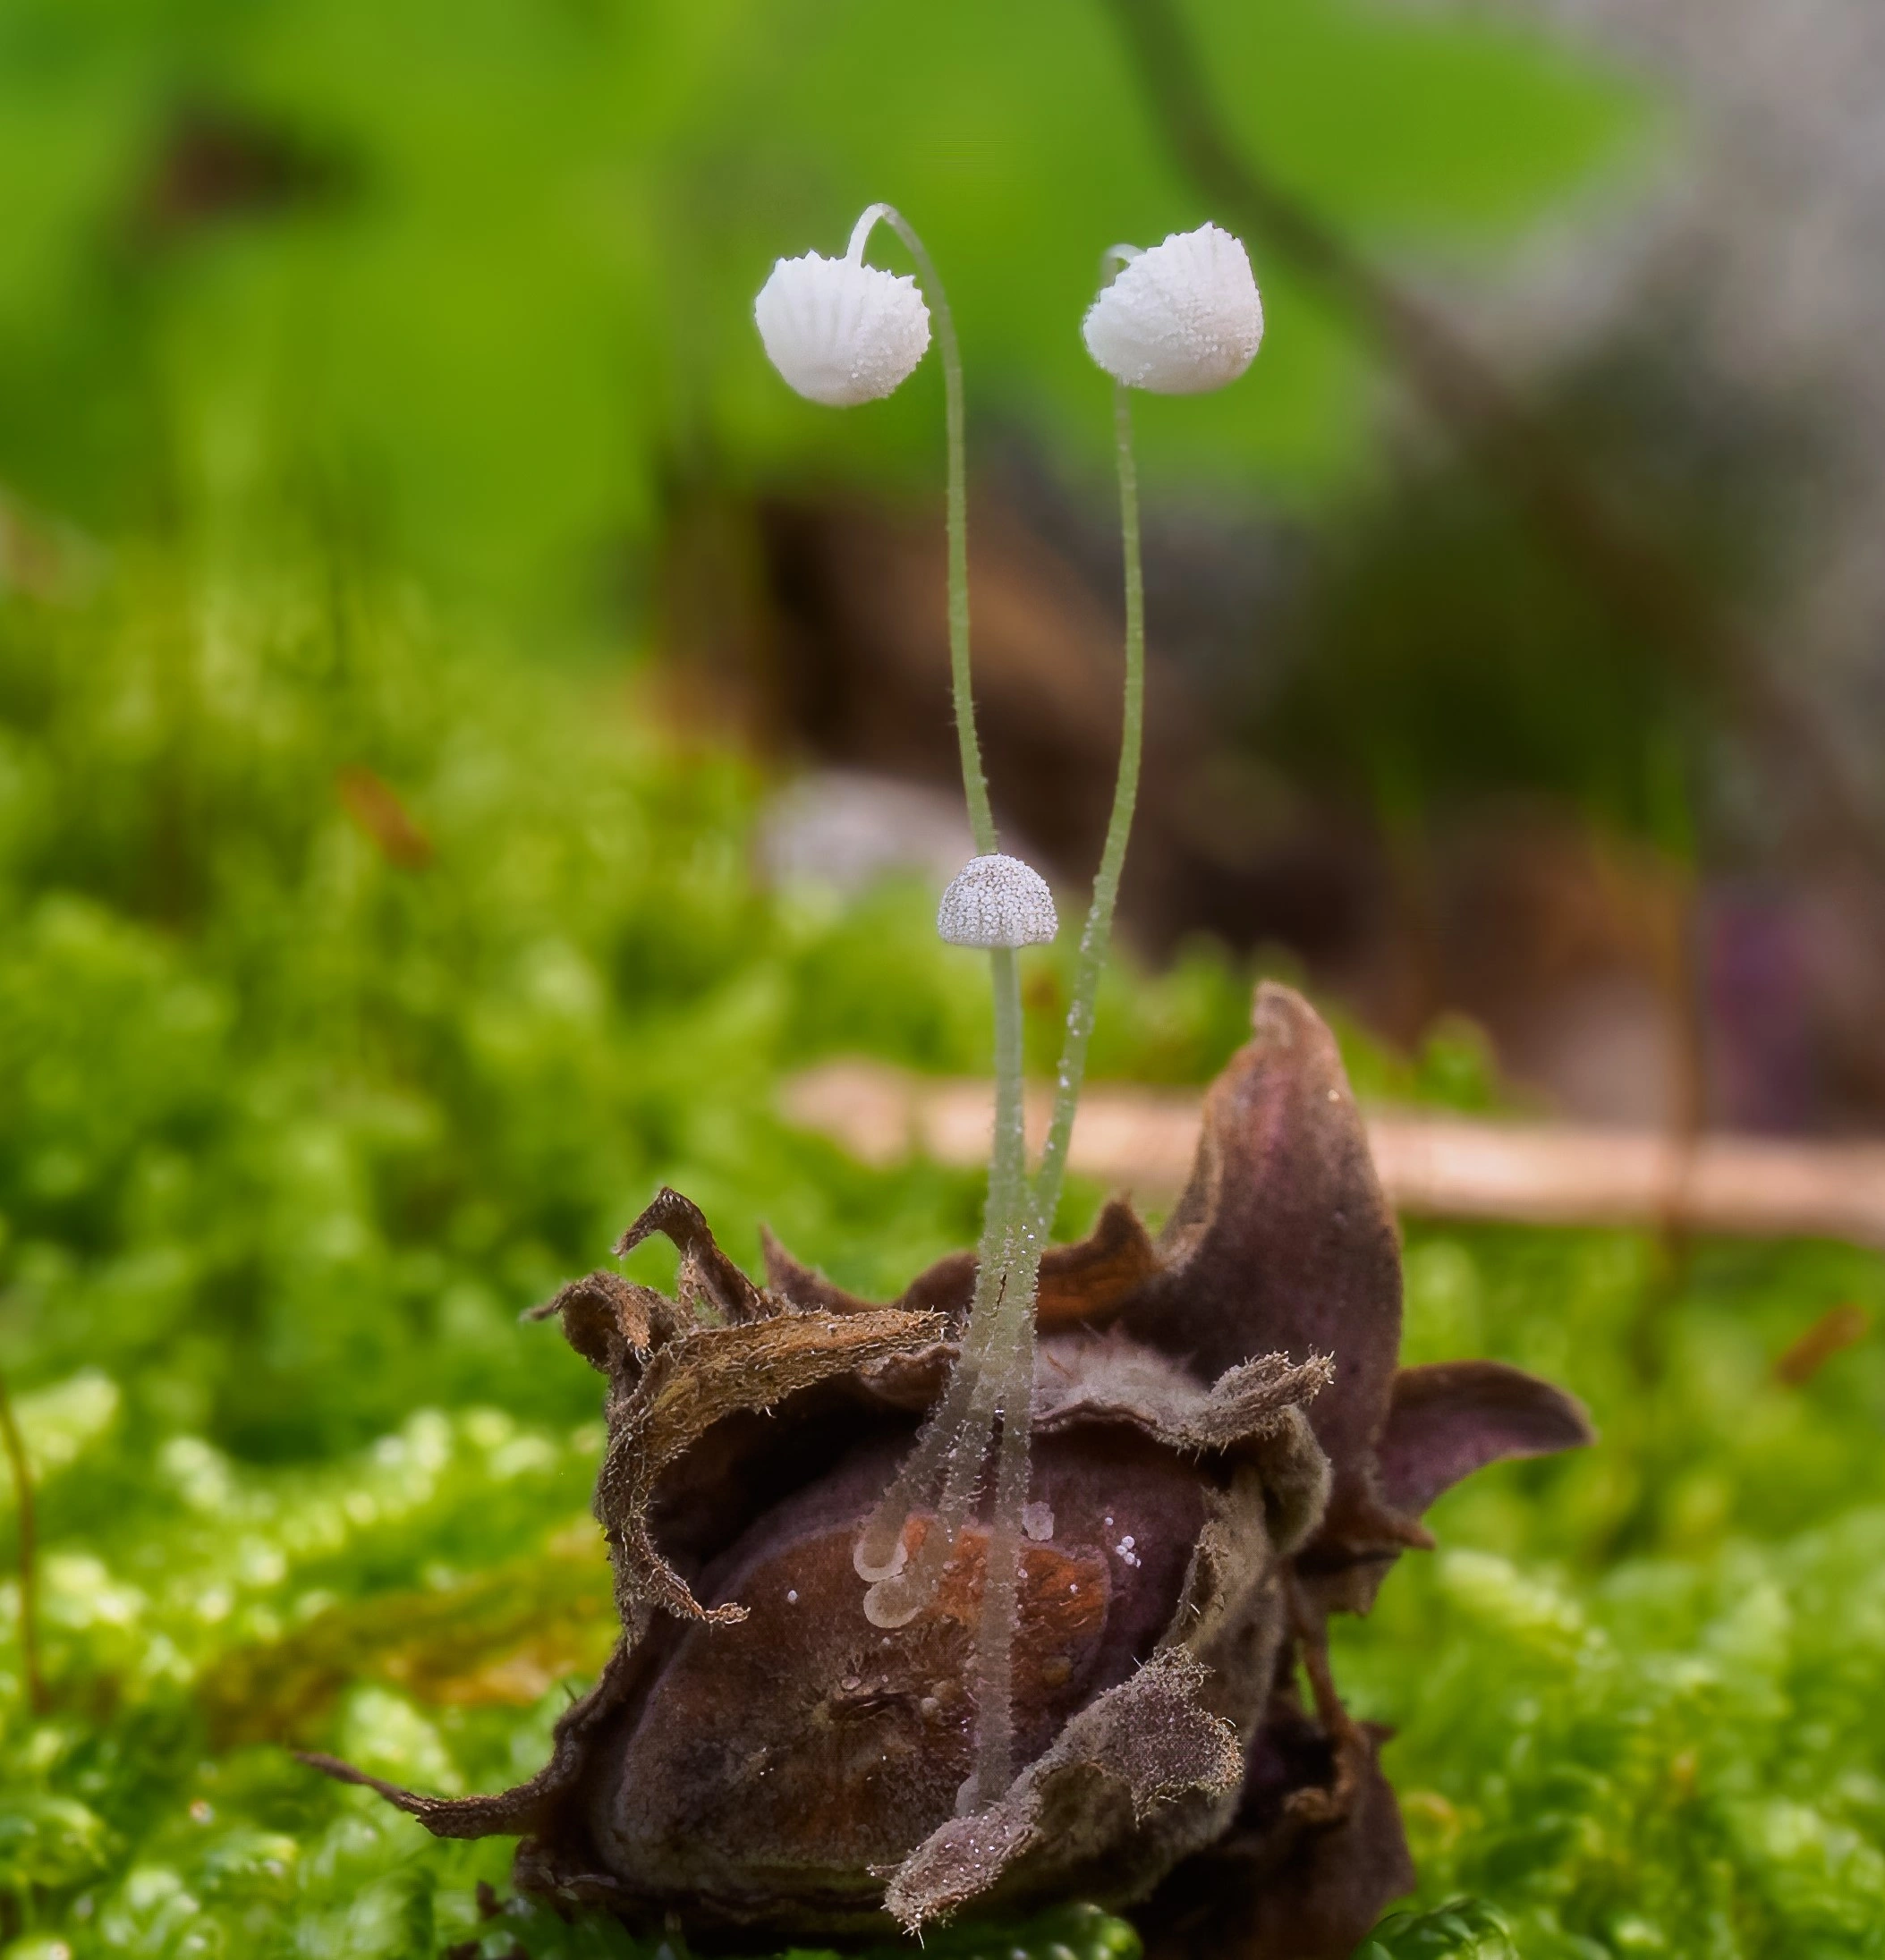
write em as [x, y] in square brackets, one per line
[296, 1120]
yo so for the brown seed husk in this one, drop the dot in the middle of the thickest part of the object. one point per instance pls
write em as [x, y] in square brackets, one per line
[1229, 1453]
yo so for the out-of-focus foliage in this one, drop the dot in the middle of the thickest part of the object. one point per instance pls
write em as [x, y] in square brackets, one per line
[354, 992]
[358, 982]
[311, 1079]
[1460, 1929]
[485, 271]
[1643, 1719]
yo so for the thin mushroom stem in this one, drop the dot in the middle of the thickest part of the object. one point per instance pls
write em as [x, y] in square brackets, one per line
[994, 1370]
[896, 1599]
[941, 1458]
[994, 1375]
[954, 1443]
[1097, 933]
[975, 786]
[1008, 1206]
[1001, 1584]
[1007, 1162]
[1011, 1366]
[879, 1553]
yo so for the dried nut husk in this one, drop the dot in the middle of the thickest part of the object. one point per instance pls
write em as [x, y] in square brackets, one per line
[1226, 1452]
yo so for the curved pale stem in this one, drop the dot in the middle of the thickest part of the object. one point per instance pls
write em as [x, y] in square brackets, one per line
[994, 1375]
[1001, 1581]
[1098, 930]
[1007, 1158]
[975, 786]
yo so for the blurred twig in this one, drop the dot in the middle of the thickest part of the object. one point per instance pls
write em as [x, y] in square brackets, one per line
[22, 1469]
[1836, 1329]
[1644, 585]
[375, 806]
[1430, 1165]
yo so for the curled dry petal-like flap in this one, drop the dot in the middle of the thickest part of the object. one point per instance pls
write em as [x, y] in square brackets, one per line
[800, 1285]
[707, 1274]
[1232, 1615]
[1088, 1281]
[527, 1806]
[613, 1323]
[692, 1384]
[508, 1813]
[1082, 1283]
[1452, 1418]
[1254, 1414]
[1069, 1822]
[1318, 1904]
[1293, 1880]
[1102, 1380]
[1283, 1241]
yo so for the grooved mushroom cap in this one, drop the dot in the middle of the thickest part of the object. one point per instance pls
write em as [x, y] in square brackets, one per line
[839, 331]
[1182, 318]
[997, 901]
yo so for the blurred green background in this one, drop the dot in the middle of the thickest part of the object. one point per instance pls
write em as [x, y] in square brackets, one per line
[479, 276]
[382, 915]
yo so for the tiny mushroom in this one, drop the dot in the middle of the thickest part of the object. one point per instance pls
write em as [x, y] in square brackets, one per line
[839, 331]
[997, 901]
[1182, 318]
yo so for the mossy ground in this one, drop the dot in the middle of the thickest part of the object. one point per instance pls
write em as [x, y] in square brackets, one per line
[300, 1111]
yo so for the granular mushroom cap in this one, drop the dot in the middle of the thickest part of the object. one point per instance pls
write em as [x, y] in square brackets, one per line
[839, 331]
[997, 901]
[1181, 318]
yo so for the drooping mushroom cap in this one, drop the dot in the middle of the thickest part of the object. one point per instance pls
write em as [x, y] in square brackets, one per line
[1182, 318]
[839, 331]
[997, 901]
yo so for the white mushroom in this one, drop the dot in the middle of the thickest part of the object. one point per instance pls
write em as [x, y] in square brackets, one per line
[839, 331]
[1182, 318]
[996, 902]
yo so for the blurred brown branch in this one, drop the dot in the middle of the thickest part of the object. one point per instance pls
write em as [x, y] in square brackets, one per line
[1836, 1329]
[1646, 586]
[375, 806]
[1435, 1166]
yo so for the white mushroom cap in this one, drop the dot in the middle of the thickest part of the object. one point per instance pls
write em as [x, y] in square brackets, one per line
[1181, 318]
[997, 901]
[841, 332]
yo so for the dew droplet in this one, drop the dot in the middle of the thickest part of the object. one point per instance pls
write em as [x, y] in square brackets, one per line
[873, 1565]
[889, 1603]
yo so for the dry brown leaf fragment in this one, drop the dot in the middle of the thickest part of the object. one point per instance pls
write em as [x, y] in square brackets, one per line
[698, 1380]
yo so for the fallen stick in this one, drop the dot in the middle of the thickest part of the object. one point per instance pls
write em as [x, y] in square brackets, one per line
[1430, 1165]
